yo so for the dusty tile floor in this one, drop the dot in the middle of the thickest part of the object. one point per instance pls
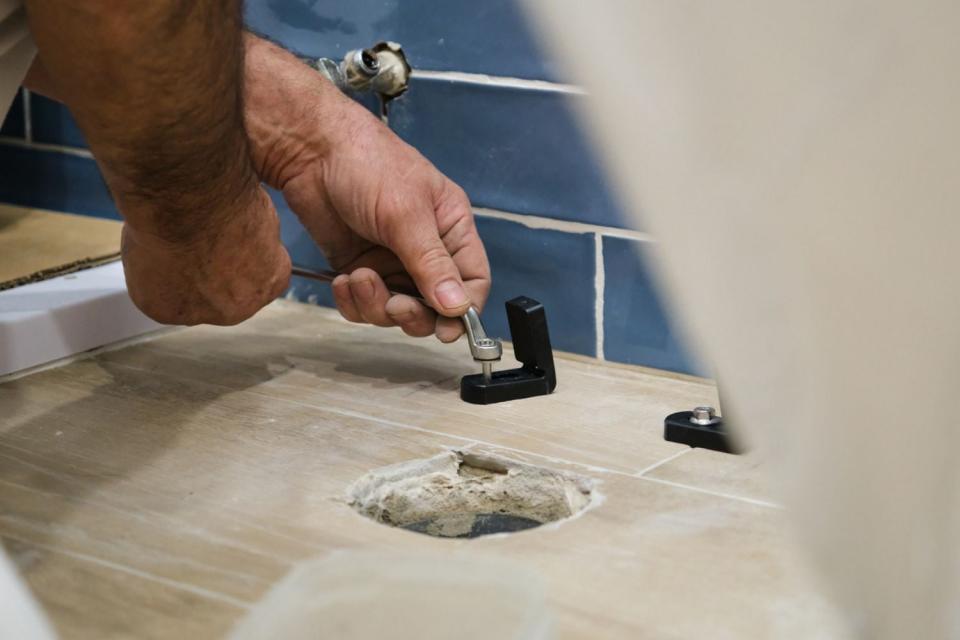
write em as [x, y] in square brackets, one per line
[160, 490]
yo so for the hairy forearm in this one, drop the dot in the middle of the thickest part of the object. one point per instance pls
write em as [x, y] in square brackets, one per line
[39, 81]
[157, 88]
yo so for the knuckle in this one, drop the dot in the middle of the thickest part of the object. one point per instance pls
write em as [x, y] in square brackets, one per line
[461, 199]
[435, 258]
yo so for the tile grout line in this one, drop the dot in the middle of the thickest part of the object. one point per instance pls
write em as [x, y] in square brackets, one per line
[388, 422]
[499, 81]
[411, 427]
[42, 146]
[655, 465]
[555, 224]
[553, 459]
[228, 511]
[139, 573]
[529, 221]
[27, 118]
[108, 506]
[599, 285]
[469, 440]
[719, 494]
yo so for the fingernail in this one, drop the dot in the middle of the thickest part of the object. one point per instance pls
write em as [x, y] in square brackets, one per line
[450, 294]
[400, 309]
[364, 289]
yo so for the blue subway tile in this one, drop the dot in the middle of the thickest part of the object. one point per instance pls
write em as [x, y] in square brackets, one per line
[553, 267]
[636, 327]
[52, 123]
[56, 181]
[490, 37]
[512, 149]
[13, 125]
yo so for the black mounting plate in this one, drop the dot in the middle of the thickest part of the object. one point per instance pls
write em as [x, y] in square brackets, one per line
[677, 427]
[531, 345]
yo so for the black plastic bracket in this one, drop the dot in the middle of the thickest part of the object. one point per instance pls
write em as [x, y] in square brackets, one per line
[680, 427]
[531, 345]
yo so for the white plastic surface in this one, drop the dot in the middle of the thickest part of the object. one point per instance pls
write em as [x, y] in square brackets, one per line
[20, 616]
[48, 320]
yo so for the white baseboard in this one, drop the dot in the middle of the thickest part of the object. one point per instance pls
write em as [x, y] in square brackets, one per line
[57, 318]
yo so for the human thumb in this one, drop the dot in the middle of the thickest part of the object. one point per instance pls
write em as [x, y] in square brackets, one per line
[431, 266]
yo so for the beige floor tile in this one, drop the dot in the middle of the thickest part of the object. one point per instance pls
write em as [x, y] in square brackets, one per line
[743, 475]
[160, 490]
[602, 416]
[87, 598]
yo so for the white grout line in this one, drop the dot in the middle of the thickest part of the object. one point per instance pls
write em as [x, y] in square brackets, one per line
[663, 462]
[450, 436]
[41, 146]
[599, 284]
[27, 117]
[529, 221]
[540, 222]
[144, 513]
[500, 81]
[410, 427]
[718, 494]
[122, 568]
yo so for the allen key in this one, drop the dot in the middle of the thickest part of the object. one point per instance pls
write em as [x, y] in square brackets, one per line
[483, 349]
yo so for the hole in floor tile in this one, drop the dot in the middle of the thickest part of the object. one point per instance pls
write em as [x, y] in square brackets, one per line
[461, 494]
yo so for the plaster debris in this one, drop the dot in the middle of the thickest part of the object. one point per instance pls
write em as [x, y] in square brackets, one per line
[461, 494]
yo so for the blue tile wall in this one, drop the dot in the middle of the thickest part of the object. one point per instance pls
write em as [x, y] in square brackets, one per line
[52, 180]
[512, 149]
[636, 327]
[13, 124]
[553, 267]
[303, 252]
[52, 123]
[491, 36]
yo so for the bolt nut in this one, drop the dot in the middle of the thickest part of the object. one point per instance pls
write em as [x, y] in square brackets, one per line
[704, 415]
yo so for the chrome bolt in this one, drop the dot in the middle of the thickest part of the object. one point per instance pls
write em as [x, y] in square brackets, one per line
[703, 415]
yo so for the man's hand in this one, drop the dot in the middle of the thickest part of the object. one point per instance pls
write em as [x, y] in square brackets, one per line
[377, 208]
[157, 89]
